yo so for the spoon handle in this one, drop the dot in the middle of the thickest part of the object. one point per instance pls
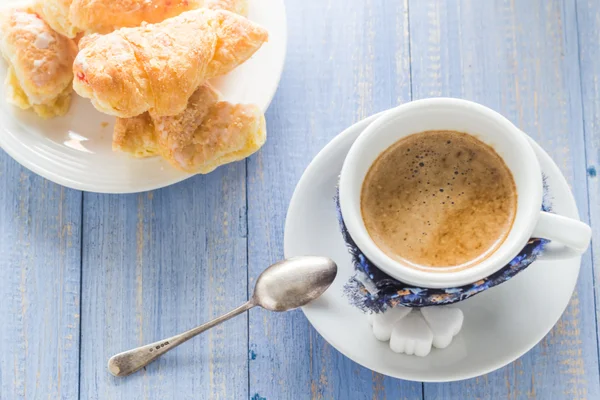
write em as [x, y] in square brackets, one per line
[128, 362]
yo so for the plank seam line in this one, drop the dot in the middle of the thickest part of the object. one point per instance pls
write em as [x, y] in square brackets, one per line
[586, 181]
[247, 281]
[80, 293]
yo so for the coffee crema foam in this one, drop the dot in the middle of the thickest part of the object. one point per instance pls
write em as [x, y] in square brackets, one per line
[439, 199]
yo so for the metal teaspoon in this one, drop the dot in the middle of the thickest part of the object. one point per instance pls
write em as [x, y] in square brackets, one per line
[285, 285]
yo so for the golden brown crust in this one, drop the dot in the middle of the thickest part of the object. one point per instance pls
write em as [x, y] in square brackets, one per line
[206, 135]
[108, 15]
[236, 43]
[70, 17]
[40, 61]
[157, 67]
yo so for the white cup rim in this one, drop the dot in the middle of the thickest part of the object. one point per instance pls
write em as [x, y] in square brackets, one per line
[527, 213]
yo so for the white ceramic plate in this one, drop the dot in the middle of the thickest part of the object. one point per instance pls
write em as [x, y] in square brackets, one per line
[75, 150]
[500, 325]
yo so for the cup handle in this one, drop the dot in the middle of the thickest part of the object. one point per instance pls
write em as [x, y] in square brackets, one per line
[572, 236]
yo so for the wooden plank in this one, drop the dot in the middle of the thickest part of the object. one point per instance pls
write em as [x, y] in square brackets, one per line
[588, 17]
[159, 263]
[39, 286]
[346, 60]
[520, 58]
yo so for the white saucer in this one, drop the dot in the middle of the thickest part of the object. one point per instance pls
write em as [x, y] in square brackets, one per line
[75, 150]
[500, 324]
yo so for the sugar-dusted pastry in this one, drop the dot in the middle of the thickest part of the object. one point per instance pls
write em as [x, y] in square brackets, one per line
[157, 67]
[39, 63]
[69, 17]
[209, 133]
[202, 138]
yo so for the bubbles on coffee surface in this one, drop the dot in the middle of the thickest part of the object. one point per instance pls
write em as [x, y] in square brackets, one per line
[438, 198]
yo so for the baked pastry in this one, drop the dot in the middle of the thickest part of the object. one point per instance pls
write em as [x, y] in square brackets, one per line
[157, 67]
[209, 133]
[69, 17]
[39, 59]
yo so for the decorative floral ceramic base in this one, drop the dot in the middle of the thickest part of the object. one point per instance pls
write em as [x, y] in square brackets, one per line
[372, 290]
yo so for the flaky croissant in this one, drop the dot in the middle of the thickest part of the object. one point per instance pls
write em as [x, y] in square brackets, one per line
[157, 67]
[209, 133]
[39, 72]
[69, 17]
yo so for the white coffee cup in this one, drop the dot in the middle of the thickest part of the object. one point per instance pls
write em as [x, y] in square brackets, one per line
[507, 140]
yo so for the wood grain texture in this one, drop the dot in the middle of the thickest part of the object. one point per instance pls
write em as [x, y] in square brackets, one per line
[39, 286]
[346, 60]
[588, 17]
[156, 264]
[521, 59]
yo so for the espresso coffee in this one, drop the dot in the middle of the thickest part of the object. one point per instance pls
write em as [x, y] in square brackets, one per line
[439, 199]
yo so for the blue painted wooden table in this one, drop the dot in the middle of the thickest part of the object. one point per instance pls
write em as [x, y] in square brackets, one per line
[83, 276]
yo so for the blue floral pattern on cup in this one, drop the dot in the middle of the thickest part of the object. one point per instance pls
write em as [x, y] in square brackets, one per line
[372, 290]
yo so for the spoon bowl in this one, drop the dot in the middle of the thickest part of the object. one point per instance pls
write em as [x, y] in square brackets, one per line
[294, 282]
